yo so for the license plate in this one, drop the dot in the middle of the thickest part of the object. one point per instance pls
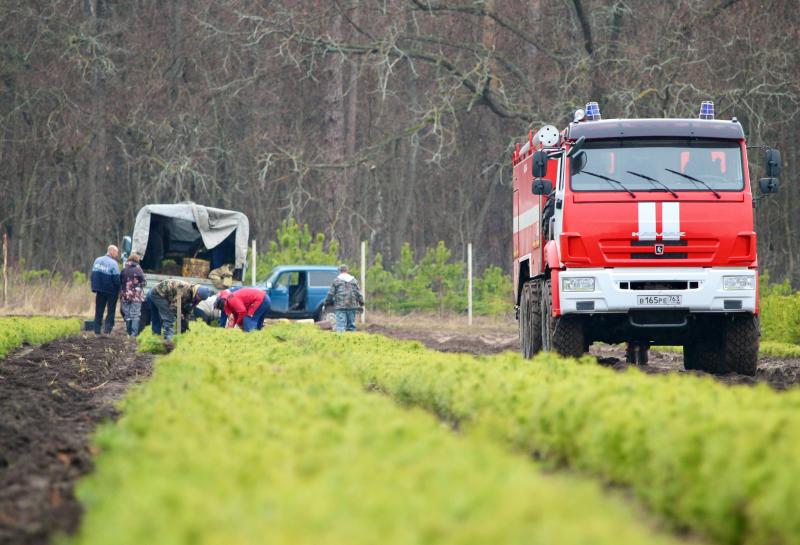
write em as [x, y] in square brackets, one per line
[659, 300]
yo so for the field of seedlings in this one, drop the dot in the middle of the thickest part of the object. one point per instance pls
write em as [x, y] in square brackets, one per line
[276, 438]
[15, 332]
[298, 435]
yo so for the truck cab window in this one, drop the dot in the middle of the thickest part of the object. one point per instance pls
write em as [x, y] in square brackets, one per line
[670, 165]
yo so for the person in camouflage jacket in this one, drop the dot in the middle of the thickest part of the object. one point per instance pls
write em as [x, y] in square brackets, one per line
[164, 298]
[345, 297]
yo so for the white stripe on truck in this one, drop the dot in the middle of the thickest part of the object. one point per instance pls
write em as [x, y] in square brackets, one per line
[526, 219]
[647, 221]
[671, 221]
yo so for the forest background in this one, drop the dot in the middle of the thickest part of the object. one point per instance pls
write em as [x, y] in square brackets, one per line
[390, 121]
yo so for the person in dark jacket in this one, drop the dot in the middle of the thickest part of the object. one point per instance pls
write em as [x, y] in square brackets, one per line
[346, 298]
[132, 282]
[105, 285]
[245, 308]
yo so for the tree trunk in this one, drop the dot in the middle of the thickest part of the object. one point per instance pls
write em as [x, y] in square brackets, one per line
[333, 129]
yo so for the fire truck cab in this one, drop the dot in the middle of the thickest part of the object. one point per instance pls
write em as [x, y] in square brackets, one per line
[639, 231]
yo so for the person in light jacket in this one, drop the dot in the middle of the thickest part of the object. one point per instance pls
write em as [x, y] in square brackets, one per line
[105, 286]
[346, 298]
[132, 295]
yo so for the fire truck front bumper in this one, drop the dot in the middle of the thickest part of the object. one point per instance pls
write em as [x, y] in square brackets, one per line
[693, 289]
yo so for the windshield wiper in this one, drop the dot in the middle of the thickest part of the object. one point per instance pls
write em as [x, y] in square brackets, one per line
[693, 179]
[649, 179]
[606, 178]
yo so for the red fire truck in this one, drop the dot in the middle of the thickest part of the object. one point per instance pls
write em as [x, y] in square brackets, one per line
[639, 231]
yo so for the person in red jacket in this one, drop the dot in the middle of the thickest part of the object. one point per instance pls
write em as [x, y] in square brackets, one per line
[244, 308]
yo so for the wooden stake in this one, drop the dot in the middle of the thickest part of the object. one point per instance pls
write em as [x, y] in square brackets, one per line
[254, 261]
[469, 283]
[5, 269]
[364, 279]
[178, 314]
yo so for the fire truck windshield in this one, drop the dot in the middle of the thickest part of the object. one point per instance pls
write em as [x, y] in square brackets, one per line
[677, 165]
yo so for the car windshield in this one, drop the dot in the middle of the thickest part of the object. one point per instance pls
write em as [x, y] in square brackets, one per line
[659, 165]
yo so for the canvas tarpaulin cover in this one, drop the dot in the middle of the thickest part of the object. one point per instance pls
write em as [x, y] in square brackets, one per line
[213, 224]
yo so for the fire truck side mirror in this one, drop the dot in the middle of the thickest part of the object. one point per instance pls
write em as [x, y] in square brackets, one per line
[576, 147]
[539, 166]
[768, 185]
[577, 162]
[127, 243]
[772, 161]
[542, 186]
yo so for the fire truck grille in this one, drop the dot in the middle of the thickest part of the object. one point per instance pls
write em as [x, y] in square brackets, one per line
[696, 250]
[653, 255]
[660, 285]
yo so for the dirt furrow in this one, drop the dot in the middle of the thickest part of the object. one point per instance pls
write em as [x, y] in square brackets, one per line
[51, 399]
[780, 373]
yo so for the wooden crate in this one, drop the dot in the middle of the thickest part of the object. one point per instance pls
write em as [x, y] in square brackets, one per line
[195, 267]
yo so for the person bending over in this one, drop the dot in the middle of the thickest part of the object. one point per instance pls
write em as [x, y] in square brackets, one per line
[245, 308]
[164, 297]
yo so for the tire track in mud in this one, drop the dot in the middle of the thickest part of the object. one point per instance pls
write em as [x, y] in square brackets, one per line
[780, 373]
[52, 397]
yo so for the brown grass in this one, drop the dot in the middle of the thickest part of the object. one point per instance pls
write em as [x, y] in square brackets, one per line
[47, 298]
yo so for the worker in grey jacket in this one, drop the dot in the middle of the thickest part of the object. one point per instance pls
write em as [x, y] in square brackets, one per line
[346, 298]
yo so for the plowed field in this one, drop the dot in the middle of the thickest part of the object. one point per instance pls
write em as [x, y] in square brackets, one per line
[780, 373]
[51, 399]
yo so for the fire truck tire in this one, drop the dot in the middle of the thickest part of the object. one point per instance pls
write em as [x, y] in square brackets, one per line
[530, 319]
[565, 334]
[740, 346]
[735, 350]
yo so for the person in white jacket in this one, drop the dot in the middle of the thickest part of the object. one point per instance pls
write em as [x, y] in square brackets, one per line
[207, 311]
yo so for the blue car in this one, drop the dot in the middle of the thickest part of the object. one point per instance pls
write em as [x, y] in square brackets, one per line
[299, 291]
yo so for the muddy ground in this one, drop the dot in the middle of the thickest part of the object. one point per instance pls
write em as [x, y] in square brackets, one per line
[780, 373]
[51, 399]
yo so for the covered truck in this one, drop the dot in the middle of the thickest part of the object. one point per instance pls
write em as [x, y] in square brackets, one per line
[191, 241]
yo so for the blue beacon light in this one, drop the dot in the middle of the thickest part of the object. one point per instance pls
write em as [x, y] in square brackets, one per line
[592, 111]
[707, 110]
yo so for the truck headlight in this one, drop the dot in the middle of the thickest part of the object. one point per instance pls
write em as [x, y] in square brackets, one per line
[733, 283]
[577, 284]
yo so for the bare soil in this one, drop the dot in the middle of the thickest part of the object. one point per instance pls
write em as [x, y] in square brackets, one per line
[51, 399]
[780, 373]
[478, 343]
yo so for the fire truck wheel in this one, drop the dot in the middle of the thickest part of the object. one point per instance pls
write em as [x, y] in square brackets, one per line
[740, 346]
[735, 350]
[530, 319]
[562, 334]
[703, 354]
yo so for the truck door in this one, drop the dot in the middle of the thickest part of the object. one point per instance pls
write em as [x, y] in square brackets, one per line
[558, 223]
[515, 216]
[279, 293]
